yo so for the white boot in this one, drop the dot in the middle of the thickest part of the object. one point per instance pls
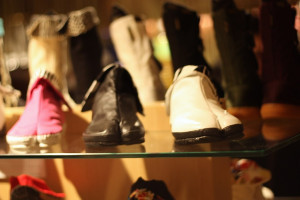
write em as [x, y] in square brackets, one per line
[134, 51]
[195, 112]
[48, 52]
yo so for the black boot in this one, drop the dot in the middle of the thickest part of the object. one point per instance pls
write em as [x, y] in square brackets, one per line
[239, 65]
[114, 102]
[85, 49]
[153, 189]
[234, 31]
[182, 29]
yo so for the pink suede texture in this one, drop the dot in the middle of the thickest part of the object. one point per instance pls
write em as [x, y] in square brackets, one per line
[43, 114]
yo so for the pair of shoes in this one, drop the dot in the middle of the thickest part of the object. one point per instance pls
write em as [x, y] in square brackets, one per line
[42, 119]
[135, 52]
[152, 190]
[196, 115]
[114, 101]
[25, 187]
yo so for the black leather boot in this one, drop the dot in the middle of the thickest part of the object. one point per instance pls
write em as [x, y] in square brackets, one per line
[182, 29]
[234, 33]
[235, 42]
[85, 49]
[114, 101]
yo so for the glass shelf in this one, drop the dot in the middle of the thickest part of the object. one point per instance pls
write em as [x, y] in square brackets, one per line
[157, 144]
[159, 141]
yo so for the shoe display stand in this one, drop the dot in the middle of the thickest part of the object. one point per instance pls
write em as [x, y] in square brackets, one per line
[106, 172]
[197, 171]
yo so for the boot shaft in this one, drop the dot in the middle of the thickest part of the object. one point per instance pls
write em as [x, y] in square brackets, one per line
[115, 83]
[279, 37]
[135, 52]
[280, 56]
[112, 90]
[182, 29]
[48, 51]
[234, 36]
[85, 49]
[48, 54]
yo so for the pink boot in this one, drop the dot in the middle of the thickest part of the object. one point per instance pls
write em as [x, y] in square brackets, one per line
[51, 117]
[23, 133]
[42, 118]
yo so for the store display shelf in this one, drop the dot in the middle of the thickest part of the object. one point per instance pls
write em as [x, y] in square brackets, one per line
[159, 141]
[156, 145]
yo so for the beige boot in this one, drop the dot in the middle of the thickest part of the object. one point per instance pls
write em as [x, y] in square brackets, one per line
[136, 54]
[48, 52]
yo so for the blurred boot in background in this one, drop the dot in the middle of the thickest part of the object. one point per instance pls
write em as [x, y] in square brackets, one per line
[280, 70]
[241, 81]
[183, 33]
[85, 48]
[135, 52]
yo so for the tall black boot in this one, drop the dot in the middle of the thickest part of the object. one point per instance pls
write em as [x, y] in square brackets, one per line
[114, 101]
[182, 29]
[183, 33]
[239, 68]
[85, 49]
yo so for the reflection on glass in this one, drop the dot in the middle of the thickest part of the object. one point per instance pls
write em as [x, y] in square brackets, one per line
[157, 144]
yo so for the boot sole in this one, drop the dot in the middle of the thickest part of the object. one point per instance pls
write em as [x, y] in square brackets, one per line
[21, 140]
[113, 143]
[233, 132]
[49, 139]
[198, 136]
[101, 143]
[133, 137]
[98, 139]
[134, 141]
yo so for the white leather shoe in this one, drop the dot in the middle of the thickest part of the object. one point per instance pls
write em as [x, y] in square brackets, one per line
[195, 112]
